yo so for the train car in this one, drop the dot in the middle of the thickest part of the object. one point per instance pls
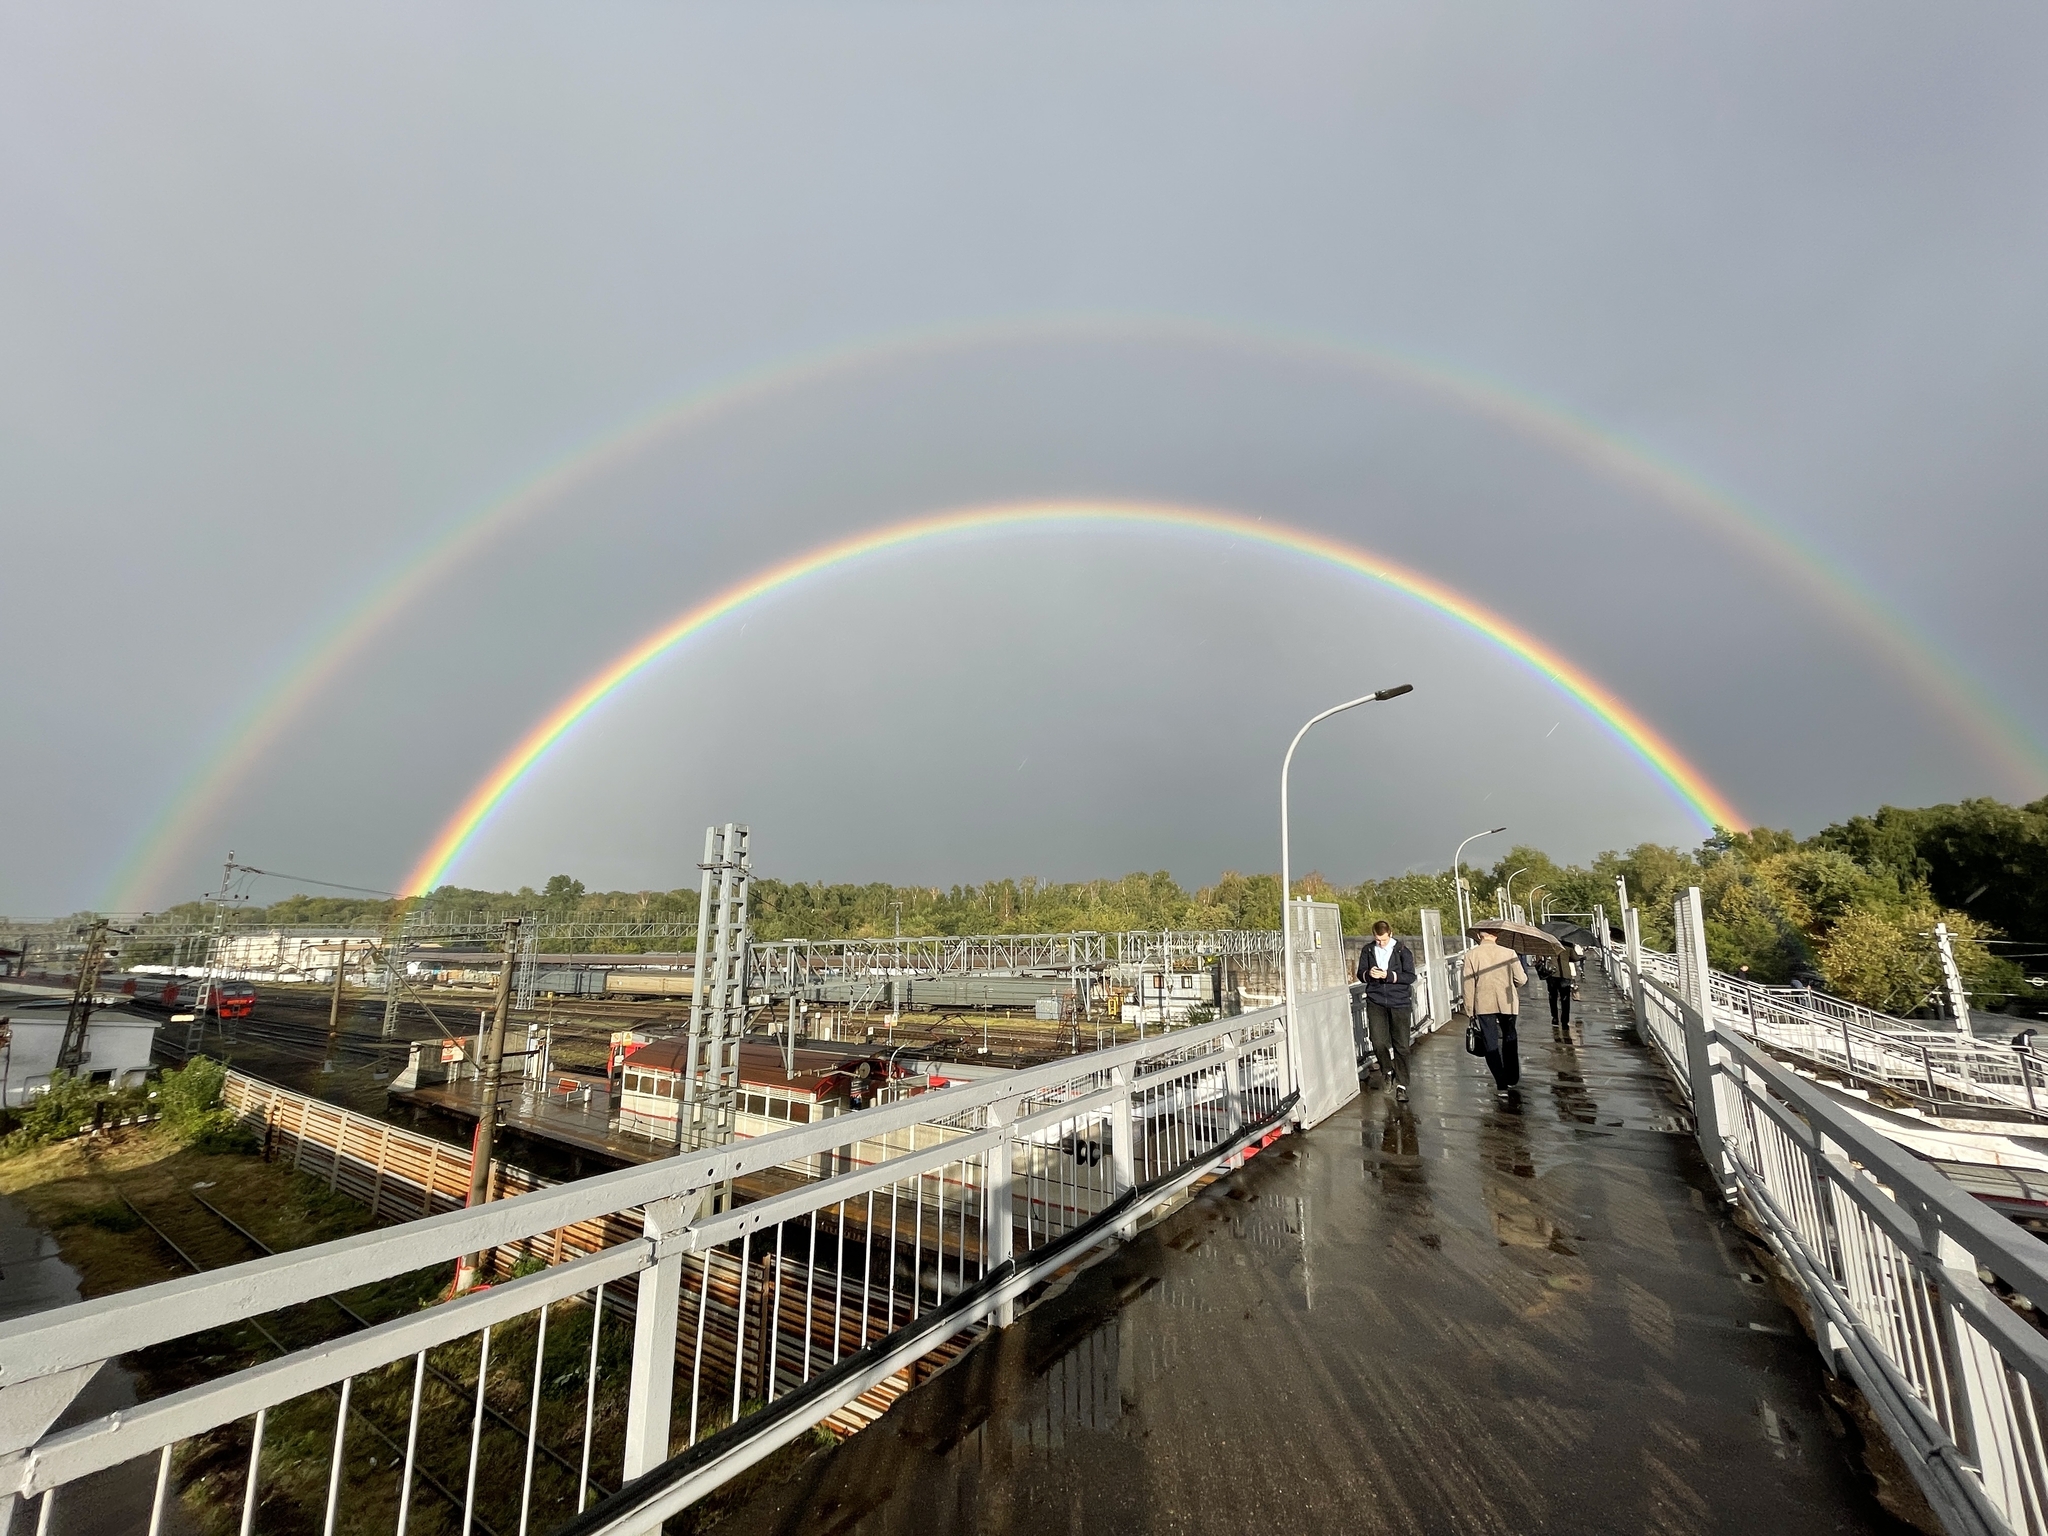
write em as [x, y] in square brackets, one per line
[226, 999]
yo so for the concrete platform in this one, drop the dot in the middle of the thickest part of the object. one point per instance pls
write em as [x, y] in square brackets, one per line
[1459, 1316]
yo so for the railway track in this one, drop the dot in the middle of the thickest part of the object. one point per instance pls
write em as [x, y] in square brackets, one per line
[356, 1410]
[356, 1320]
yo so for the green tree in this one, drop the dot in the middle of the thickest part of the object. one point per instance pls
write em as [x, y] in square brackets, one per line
[1981, 856]
[1885, 957]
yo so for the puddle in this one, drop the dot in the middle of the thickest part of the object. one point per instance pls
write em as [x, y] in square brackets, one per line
[35, 1278]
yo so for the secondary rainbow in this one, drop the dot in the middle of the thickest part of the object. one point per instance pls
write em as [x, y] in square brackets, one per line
[1685, 780]
[321, 660]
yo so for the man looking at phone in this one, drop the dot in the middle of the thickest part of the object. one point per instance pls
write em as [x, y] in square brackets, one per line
[1388, 971]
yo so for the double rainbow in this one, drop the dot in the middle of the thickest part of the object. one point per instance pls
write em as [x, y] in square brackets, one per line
[1684, 779]
[204, 791]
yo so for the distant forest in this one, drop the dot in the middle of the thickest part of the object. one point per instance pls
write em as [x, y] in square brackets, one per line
[1851, 908]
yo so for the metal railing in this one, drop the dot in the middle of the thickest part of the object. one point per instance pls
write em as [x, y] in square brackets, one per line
[1942, 1071]
[662, 1366]
[1905, 1276]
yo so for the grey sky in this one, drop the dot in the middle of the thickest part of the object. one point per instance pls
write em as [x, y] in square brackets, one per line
[284, 294]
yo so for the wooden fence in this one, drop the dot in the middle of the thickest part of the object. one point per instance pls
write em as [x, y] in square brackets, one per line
[399, 1174]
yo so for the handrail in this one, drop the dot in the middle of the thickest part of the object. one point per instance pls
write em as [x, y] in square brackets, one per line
[1939, 1070]
[84, 1332]
[1892, 1258]
[916, 1224]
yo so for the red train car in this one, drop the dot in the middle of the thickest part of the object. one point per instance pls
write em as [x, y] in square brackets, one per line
[227, 999]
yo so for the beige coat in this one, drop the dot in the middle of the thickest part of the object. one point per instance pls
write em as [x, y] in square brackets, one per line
[1492, 975]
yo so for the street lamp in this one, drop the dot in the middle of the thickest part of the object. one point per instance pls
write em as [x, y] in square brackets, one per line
[1541, 914]
[1511, 890]
[1458, 878]
[1286, 864]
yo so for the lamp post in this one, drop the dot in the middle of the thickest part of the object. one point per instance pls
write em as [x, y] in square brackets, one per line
[1286, 863]
[1541, 914]
[1458, 878]
[1511, 891]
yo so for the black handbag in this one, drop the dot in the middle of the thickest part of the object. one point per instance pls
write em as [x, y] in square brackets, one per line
[1475, 1039]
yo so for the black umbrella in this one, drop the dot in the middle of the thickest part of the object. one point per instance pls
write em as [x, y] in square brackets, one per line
[1520, 937]
[1565, 931]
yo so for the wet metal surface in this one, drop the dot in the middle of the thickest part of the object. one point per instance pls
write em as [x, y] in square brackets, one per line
[1457, 1316]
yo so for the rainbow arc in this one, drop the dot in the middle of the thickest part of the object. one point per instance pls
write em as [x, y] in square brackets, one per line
[1691, 787]
[322, 659]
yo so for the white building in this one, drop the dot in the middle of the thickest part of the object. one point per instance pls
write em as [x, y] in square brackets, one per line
[117, 1049]
[1168, 997]
[296, 955]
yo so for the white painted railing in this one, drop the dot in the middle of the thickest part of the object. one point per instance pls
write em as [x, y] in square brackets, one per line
[1906, 1277]
[1941, 1071]
[752, 1322]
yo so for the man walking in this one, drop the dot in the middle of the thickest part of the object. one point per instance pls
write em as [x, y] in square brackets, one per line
[1561, 976]
[1492, 997]
[1388, 971]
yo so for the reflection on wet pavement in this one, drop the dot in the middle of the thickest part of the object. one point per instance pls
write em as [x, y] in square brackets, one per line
[34, 1278]
[1456, 1315]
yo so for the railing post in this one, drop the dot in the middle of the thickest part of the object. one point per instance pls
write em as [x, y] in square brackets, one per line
[652, 1391]
[1632, 928]
[1701, 1063]
[1233, 1089]
[1703, 1056]
[1123, 1162]
[998, 1217]
[1290, 1061]
[1975, 1411]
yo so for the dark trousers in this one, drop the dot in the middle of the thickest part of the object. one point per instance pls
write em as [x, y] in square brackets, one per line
[1560, 999]
[1503, 1048]
[1389, 1028]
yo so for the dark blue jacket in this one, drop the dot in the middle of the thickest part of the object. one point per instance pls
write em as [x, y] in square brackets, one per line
[1394, 991]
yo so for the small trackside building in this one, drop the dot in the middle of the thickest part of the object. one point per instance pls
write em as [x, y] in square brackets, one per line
[825, 1083]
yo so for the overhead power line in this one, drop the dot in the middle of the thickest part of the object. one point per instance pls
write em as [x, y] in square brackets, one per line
[271, 874]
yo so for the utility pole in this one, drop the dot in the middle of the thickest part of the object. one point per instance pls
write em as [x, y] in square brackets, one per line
[71, 1052]
[718, 997]
[1952, 979]
[334, 1009]
[481, 1149]
[394, 971]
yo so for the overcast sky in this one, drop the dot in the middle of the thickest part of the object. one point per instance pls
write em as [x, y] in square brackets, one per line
[287, 293]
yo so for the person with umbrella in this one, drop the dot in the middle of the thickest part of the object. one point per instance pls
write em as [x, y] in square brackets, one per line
[1492, 997]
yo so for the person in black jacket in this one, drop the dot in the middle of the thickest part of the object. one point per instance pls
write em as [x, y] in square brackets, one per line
[1561, 977]
[1388, 971]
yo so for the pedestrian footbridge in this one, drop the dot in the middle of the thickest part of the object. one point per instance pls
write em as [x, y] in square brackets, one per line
[1198, 1282]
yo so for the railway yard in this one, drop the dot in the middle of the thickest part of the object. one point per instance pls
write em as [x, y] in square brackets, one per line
[286, 1040]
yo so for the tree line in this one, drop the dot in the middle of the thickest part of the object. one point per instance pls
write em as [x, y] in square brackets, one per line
[1851, 909]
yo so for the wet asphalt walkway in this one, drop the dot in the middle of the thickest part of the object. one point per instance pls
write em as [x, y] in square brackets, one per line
[1457, 1316]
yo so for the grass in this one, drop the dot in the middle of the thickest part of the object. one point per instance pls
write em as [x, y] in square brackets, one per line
[77, 1189]
[86, 1192]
